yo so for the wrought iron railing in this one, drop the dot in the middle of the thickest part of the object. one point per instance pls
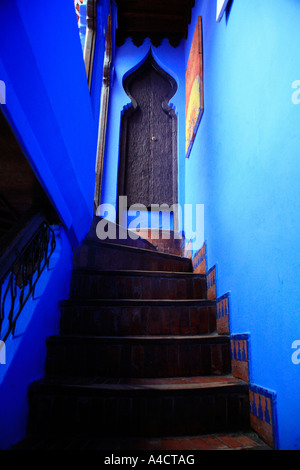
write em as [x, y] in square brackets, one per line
[20, 269]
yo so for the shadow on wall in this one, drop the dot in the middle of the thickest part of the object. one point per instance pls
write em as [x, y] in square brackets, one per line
[228, 10]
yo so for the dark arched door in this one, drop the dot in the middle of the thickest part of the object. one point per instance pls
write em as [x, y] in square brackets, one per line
[148, 150]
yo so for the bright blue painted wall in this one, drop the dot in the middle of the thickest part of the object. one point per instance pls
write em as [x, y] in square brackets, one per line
[48, 104]
[127, 59]
[26, 352]
[245, 168]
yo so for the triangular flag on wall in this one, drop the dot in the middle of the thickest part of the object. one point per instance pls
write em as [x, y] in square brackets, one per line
[221, 7]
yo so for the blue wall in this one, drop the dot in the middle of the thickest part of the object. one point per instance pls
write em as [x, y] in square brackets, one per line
[48, 104]
[245, 168]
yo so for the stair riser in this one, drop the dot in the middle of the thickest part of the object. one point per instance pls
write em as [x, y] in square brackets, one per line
[138, 360]
[123, 415]
[140, 320]
[91, 286]
[114, 258]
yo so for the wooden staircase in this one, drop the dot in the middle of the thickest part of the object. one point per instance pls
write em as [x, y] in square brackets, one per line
[138, 363]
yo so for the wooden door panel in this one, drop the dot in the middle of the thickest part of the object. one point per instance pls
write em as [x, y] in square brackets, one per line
[148, 157]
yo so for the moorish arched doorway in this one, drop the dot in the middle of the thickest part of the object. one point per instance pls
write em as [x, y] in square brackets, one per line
[148, 166]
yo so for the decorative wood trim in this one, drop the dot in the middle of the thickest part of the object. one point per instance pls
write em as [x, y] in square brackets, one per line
[103, 111]
[199, 260]
[90, 38]
[153, 19]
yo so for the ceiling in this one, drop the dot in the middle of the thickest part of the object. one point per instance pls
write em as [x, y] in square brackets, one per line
[154, 19]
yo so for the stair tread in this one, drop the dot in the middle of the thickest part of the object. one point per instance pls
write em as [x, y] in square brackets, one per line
[63, 338]
[143, 384]
[120, 231]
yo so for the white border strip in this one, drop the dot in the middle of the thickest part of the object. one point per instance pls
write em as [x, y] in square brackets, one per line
[221, 6]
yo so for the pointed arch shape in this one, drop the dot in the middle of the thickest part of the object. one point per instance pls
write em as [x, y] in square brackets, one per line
[149, 60]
